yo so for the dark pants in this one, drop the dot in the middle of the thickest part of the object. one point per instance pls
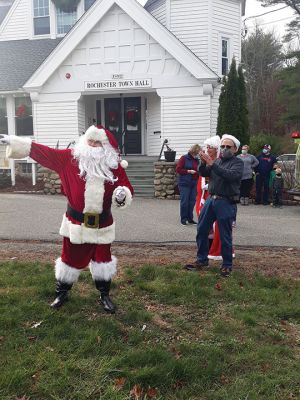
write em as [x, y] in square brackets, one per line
[277, 197]
[262, 181]
[187, 201]
[246, 186]
[222, 211]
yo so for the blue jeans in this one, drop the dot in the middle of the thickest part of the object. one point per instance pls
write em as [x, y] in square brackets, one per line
[187, 201]
[222, 211]
[262, 181]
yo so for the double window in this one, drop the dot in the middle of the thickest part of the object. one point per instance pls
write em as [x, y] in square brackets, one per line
[41, 17]
[65, 21]
[23, 116]
[225, 56]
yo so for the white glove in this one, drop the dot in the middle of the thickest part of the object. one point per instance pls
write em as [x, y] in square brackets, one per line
[120, 195]
[4, 139]
[205, 187]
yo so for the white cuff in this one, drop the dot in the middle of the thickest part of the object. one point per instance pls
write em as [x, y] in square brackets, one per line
[18, 147]
[127, 200]
[103, 271]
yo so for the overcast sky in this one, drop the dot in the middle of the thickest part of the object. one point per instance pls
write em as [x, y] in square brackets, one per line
[274, 21]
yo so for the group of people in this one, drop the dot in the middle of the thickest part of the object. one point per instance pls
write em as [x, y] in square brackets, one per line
[213, 179]
[93, 179]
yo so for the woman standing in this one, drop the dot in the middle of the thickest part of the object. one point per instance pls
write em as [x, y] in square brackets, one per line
[250, 162]
[187, 182]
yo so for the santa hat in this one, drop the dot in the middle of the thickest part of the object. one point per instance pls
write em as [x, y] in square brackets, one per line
[104, 136]
[236, 142]
[213, 141]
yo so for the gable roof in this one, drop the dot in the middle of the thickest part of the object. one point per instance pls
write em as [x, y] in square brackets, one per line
[143, 18]
[20, 58]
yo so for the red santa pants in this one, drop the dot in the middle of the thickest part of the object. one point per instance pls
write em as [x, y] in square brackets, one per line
[79, 255]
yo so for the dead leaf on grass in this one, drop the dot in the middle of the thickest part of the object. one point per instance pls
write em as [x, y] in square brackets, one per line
[119, 383]
[224, 380]
[136, 392]
[152, 393]
[32, 338]
[218, 286]
[36, 325]
[23, 398]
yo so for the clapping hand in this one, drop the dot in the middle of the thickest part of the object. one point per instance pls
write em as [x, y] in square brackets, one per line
[4, 139]
[206, 158]
[120, 195]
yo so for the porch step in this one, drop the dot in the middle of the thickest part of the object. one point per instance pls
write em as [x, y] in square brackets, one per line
[140, 172]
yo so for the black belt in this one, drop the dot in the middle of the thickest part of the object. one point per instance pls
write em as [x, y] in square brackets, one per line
[217, 197]
[90, 220]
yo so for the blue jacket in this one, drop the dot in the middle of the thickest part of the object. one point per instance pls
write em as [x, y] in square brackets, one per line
[266, 163]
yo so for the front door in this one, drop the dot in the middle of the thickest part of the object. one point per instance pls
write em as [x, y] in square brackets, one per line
[123, 119]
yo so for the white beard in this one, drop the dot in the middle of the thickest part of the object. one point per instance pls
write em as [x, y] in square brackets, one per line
[96, 162]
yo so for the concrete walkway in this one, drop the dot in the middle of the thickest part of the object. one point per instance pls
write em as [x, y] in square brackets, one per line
[38, 217]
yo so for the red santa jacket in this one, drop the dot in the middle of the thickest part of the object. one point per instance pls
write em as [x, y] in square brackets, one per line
[92, 196]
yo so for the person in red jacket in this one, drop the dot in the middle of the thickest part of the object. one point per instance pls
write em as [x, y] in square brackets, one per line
[93, 179]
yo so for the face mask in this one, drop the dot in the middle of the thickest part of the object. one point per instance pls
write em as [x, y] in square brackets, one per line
[244, 151]
[226, 154]
[266, 151]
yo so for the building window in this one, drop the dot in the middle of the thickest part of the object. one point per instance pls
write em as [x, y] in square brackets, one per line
[3, 116]
[88, 4]
[65, 21]
[225, 56]
[41, 18]
[23, 116]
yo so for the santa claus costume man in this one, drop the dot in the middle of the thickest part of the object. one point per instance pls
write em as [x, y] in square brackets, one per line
[93, 179]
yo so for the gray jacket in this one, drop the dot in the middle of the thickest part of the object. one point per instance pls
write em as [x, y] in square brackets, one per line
[250, 162]
[224, 177]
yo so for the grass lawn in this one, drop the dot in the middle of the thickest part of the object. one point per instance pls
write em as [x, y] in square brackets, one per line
[177, 335]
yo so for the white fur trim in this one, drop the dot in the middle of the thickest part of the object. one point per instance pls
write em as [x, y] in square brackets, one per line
[79, 234]
[18, 147]
[103, 271]
[124, 164]
[218, 258]
[236, 142]
[65, 273]
[128, 198]
[93, 195]
[94, 133]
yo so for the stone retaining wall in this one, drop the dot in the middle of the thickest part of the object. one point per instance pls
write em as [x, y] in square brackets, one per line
[165, 180]
[51, 180]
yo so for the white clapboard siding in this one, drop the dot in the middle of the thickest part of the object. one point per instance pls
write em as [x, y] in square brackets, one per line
[185, 121]
[226, 22]
[81, 117]
[189, 21]
[55, 122]
[154, 141]
[158, 10]
[17, 25]
[214, 110]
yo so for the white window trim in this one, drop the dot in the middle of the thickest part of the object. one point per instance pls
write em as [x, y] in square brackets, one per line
[224, 36]
[31, 13]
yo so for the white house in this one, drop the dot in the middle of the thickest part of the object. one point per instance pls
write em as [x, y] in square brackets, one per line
[146, 73]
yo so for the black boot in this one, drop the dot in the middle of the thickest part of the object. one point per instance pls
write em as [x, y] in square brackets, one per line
[61, 294]
[104, 287]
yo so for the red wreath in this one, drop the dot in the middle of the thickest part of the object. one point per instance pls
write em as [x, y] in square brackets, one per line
[112, 118]
[21, 111]
[132, 117]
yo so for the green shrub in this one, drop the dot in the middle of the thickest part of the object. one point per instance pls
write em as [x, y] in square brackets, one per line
[279, 144]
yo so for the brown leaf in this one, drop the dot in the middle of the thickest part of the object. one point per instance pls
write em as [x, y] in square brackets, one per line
[136, 392]
[99, 339]
[218, 286]
[178, 385]
[32, 338]
[224, 380]
[152, 393]
[241, 285]
[119, 383]
[23, 398]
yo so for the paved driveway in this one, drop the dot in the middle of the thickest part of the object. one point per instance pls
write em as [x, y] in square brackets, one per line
[38, 217]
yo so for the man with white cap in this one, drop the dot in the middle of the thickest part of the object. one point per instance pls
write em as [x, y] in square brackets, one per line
[225, 174]
[93, 179]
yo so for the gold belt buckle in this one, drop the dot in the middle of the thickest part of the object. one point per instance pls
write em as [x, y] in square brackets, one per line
[91, 220]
